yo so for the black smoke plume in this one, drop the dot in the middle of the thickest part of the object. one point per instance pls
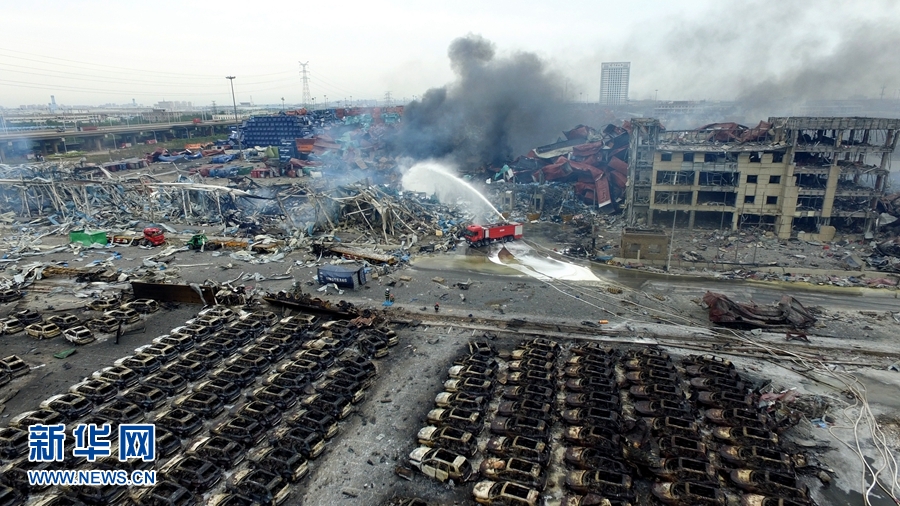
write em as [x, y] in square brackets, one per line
[498, 107]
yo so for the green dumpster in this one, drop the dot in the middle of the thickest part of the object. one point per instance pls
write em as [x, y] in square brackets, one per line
[88, 237]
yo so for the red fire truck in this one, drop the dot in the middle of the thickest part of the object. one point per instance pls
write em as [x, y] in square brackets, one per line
[480, 235]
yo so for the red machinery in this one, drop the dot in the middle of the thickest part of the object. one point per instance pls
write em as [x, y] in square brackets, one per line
[153, 236]
[480, 235]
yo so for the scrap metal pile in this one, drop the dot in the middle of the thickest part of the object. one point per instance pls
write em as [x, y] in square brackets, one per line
[787, 314]
[594, 163]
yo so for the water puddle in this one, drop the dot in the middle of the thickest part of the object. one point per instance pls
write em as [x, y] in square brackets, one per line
[523, 258]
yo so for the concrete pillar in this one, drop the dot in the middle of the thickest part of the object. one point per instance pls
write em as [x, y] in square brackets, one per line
[98, 144]
[691, 220]
[834, 173]
[3, 156]
[650, 217]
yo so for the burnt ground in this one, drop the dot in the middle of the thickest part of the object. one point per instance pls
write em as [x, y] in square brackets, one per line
[358, 465]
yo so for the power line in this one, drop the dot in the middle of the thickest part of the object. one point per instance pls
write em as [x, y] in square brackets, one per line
[114, 67]
[105, 79]
[320, 78]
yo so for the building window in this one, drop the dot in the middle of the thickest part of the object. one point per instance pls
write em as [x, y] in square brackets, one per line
[665, 157]
[687, 157]
[774, 179]
[771, 201]
[752, 179]
[755, 157]
[749, 199]
[710, 157]
[777, 157]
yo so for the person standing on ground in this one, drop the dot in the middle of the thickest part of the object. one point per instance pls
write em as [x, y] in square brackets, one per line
[437, 307]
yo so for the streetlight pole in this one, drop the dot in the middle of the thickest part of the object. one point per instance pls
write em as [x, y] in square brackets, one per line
[234, 103]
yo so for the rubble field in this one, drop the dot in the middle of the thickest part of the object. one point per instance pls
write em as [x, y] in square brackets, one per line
[205, 297]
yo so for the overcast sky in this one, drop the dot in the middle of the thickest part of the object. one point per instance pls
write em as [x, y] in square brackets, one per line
[95, 52]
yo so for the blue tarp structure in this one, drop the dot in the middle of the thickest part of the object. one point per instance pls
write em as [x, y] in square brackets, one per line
[223, 158]
[344, 276]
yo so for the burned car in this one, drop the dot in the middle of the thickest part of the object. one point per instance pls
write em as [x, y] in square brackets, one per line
[505, 492]
[196, 474]
[224, 453]
[71, 406]
[246, 431]
[121, 411]
[181, 422]
[266, 414]
[169, 382]
[140, 363]
[122, 377]
[43, 330]
[79, 334]
[289, 465]
[260, 485]
[441, 465]
[145, 397]
[519, 446]
[204, 404]
[302, 440]
[225, 390]
[448, 437]
[514, 469]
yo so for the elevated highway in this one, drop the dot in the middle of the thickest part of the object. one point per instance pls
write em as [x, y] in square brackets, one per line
[51, 141]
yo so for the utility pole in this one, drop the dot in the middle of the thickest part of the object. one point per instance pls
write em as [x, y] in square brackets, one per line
[388, 100]
[305, 75]
[234, 103]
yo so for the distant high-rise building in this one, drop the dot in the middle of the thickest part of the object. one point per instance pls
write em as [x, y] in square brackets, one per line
[53, 103]
[614, 82]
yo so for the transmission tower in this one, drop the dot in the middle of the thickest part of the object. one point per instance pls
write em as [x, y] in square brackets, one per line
[307, 97]
[388, 101]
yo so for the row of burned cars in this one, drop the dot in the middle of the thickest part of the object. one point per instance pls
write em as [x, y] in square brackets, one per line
[247, 395]
[111, 315]
[692, 434]
[637, 426]
[517, 450]
[733, 448]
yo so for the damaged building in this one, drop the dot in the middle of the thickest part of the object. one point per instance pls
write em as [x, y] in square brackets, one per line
[786, 175]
